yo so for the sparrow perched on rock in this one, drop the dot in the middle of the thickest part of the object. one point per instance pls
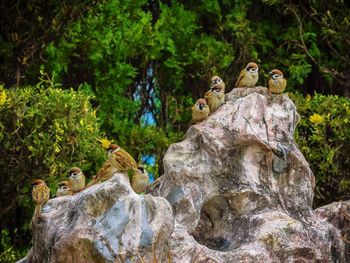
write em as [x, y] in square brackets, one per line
[106, 172]
[76, 180]
[218, 82]
[63, 189]
[277, 83]
[249, 76]
[120, 159]
[140, 180]
[200, 111]
[40, 194]
[215, 97]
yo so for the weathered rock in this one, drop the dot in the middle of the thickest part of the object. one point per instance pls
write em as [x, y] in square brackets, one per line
[338, 214]
[107, 222]
[242, 191]
[239, 187]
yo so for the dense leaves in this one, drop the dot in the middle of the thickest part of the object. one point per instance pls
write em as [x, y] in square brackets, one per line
[43, 132]
[323, 135]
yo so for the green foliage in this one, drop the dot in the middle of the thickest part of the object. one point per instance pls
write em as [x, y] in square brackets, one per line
[43, 132]
[323, 135]
[9, 253]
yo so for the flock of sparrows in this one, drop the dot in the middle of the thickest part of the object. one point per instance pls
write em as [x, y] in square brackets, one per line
[118, 161]
[248, 77]
[121, 161]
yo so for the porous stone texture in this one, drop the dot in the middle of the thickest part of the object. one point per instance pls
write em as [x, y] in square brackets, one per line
[236, 189]
[242, 191]
[107, 222]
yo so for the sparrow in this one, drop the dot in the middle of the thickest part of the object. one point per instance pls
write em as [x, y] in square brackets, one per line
[249, 76]
[63, 189]
[139, 180]
[120, 159]
[215, 97]
[106, 172]
[200, 111]
[76, 180]
[277, 83]
[40, 194]
[218, 82]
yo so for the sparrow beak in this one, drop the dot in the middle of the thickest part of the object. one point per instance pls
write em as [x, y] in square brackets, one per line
[270, 74]
[201, 106]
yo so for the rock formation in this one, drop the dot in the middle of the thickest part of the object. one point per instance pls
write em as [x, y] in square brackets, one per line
[237, 189]
[107, 222]
[242, 191]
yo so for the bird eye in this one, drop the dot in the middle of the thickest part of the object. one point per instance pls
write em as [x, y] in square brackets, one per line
[275, 76]
[218, 80]
[64, 187]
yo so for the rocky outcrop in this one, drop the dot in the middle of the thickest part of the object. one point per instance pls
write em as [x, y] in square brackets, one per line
[107, 222]
[242, 191]
[236, 189]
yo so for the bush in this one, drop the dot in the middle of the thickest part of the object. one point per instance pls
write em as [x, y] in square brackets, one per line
[9, 253]
[43, 132]
[323, 135]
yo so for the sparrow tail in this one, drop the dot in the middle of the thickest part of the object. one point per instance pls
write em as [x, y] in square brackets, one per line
[37, 210]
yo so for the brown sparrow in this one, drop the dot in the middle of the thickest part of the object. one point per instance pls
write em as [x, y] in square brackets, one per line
[215, 97]
[63, 189]
[120, 159]
[249, 76]
[277, 83]
[200, 111]
[106, 172]
[40, 194]
[140, 180]
[76, 180]
[218, 82]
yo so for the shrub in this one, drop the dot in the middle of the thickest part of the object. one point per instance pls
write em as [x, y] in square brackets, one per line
[9, 253]
[43, 132]
[323, 135]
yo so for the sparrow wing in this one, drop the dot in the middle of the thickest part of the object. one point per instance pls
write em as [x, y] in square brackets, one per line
[284, 83]
[240, 77]
[125, 160]
[103, 169]
[105, 172]
[270, 83]
[207, 95]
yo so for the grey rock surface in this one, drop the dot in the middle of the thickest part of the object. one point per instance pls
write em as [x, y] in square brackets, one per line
[236, 189]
